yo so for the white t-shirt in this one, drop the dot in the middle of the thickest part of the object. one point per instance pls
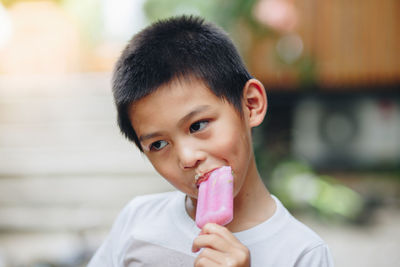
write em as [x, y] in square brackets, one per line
[155, 230]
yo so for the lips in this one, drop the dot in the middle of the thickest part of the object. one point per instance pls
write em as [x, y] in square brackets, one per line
[204, 177]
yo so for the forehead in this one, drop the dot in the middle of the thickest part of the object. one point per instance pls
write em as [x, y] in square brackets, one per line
[171, 102]
[178, 89]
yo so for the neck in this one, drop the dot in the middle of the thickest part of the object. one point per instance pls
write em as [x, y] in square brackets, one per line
[252, 205]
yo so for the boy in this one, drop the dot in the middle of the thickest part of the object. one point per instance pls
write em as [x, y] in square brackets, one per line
[185, 98]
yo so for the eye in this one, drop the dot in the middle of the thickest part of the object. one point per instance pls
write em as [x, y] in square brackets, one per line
[198, 126]
[158, 145]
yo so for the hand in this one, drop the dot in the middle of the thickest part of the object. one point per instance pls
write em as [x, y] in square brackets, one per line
[220, 248]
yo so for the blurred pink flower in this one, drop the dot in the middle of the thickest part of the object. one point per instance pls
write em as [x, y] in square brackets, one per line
[280, 15]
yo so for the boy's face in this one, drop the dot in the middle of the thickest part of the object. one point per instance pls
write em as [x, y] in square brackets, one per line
[186, 130]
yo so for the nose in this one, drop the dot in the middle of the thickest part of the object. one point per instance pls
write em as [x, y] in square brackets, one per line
[189, 156]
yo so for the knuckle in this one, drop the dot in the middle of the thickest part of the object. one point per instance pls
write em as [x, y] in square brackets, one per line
[213, 239]
[242, 256]
[210, 227]
[200, 261]
[230, 262]
[225, 230]
[205, 252]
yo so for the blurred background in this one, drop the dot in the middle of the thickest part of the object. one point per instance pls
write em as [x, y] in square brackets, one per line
[329, 148]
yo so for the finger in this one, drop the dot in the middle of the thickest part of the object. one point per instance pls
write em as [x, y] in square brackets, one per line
[202, 261]
[237, 258]
[209, 241]
[212, 254]
[213, 228]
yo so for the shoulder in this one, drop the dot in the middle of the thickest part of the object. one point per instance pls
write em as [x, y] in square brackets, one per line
[318, 256]
[138, 209]
[140, 222]
[302, 233]
[147, 205]
[137, 213]
[156, 220]
[157, 199]
[288, 241]
[143, 214]
[306, 246]
[295, 229]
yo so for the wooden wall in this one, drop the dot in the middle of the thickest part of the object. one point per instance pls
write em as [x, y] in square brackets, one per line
[352, 43]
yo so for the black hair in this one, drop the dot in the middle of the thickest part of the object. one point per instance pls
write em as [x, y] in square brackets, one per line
[178, 47]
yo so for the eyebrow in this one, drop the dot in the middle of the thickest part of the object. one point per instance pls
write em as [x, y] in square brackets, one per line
[149, 136]
[193, 113]
[185, 118]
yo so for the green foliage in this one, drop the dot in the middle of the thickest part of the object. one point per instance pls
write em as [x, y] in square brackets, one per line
[299, 187]
[222, 12]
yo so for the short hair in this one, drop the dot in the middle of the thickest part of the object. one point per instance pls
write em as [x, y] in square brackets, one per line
[175, 48]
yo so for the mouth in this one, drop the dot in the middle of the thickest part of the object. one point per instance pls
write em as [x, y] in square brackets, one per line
[202, 178]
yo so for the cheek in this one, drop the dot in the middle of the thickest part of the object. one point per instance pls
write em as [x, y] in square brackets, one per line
[233, 145]
[165, 170]
[162, 167]
[235, 148]
[169, 175]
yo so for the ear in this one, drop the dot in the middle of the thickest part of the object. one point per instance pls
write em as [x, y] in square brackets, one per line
[254, 102]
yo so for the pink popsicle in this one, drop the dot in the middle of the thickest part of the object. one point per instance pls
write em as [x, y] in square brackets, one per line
[215, 198]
